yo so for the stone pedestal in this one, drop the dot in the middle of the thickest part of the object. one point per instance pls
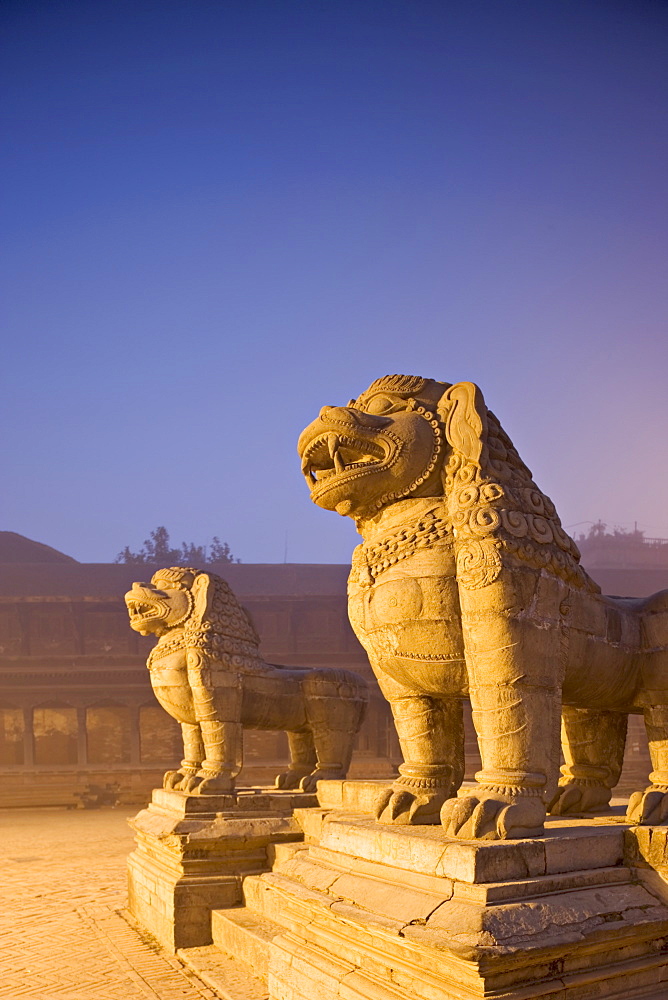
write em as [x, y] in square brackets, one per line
[362, 911]
[192, 852]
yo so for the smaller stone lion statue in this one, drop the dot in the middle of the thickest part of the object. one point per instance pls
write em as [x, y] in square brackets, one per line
[206, 671]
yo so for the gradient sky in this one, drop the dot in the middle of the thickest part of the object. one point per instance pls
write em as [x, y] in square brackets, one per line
[219, 216]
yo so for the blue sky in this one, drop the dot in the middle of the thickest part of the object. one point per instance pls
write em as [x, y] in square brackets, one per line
[219, 216]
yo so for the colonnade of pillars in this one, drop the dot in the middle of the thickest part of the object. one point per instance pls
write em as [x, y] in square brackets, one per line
[65, 735]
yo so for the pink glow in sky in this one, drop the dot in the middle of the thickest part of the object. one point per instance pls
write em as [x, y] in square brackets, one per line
[219, 216]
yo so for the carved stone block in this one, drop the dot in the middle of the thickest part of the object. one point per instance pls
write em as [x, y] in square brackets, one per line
[368, 911]
[192, 851]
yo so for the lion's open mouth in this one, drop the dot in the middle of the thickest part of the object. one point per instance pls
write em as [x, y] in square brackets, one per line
[333, 454]
[140, 608]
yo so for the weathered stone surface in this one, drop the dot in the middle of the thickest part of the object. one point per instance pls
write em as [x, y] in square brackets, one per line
[206, 671]
[466, 585]
[647, 847]
[192, 851]
[353, 796]
[407, 913]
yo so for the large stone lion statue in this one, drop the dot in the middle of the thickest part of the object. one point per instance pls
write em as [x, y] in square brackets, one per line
[206, 671]
[466, 585]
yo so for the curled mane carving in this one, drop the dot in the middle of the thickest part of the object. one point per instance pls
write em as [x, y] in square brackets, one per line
[494, 504]
[217, 623]
[403, 385]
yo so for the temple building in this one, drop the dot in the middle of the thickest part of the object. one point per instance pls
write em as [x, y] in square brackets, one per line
[78, 718]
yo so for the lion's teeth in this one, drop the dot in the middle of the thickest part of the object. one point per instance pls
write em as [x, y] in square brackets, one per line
[332, 444]
[339, 464]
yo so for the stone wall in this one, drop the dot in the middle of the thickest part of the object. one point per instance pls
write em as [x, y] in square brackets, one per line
[76, 706]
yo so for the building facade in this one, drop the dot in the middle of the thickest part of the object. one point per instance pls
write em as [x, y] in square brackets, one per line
[78, 719]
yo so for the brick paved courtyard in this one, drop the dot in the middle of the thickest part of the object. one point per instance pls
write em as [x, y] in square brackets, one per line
[62, 936]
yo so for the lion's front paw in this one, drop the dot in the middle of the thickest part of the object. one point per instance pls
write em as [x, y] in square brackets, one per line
[486, 814]
[207, 782]
[412, 801]
[290, 778]
[309, 783]
[578, 796]
[649, 807]
[179, 780]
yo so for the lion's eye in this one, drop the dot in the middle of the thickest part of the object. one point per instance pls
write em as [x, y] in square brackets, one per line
[381, 404]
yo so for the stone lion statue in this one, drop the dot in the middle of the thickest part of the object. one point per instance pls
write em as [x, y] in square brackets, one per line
[466, 585]
[206, 672]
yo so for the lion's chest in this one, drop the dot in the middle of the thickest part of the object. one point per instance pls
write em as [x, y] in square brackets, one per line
[408, 619]
[169, 680]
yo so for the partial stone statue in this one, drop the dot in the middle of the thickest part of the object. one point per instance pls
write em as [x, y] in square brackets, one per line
[206, 671]
[466, 585]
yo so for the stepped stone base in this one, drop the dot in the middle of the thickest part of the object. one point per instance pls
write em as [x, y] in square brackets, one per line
[362, 911]
[193, 850]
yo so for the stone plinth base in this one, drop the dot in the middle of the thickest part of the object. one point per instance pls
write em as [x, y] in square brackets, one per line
[193, 850]
[362, 911]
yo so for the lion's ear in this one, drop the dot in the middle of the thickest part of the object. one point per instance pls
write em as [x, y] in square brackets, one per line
[202, 591]
[465, 414]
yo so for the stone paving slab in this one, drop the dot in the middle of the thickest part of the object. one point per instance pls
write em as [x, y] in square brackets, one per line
[230, 980]
[62, 894]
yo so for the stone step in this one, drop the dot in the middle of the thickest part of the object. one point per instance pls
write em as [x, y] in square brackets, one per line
[566, 847]
[345, 914]
[278, 854]
[244, 935]
[229, 979]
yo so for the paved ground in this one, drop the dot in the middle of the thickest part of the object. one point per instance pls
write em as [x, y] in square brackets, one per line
[62, 936]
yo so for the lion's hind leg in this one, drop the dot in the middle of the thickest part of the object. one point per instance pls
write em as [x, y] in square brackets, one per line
[333, 753]
[593, 745]
[650, 807]
[302, 760]
[336, 703]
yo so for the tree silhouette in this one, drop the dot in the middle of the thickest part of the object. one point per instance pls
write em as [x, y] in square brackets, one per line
[157, 551]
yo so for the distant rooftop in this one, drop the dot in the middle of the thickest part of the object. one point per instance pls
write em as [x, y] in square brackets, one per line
[622, 549]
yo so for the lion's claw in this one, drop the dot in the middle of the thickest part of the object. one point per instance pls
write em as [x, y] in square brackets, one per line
[310, 782]
[649, 807]
[305, 781]
[288, 779]
[172, 779]
[485, 815]
[580, 797]
[214, 784]
[405, 807]
[180, 780]
[391, 805]
[191, 784]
